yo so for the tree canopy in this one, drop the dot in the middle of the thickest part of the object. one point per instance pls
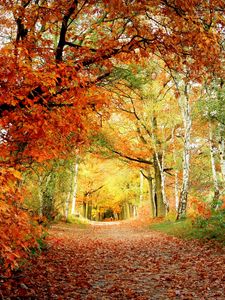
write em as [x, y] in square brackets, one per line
[58, 63]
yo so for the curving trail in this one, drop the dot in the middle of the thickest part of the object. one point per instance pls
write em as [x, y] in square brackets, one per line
[120, 261]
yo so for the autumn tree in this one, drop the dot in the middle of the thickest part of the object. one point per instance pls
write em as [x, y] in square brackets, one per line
[141, 126]
[58, 53]
[211, 109]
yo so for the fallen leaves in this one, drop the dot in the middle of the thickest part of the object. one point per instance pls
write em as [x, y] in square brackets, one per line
[122, 262]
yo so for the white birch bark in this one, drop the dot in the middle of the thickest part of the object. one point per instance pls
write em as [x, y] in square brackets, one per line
[186, 114]
[176, 181]
[163, 178]
[213, 165]
[70, 188]
[222, 153]
[152, 183]
[75, 184]
[151, 194]
[176, 190]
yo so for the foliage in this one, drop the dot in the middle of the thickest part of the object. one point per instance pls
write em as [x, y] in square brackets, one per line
[47, 185]
[179, 228]
[203, 228]
[106, 184]
[54, 93]
[212, 102]
[19, 232]
[212, 227]
[79, 221]
[19, 236]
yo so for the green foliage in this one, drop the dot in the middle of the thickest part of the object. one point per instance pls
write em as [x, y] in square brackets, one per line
[211, 104]
[47, 187]
[212, 228]
[41, 244]
[171, 216]
[179, 228]
[79, 221]
[135, 80]
[102, 145]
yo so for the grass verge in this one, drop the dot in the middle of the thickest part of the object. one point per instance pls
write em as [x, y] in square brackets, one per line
[79, 221]
[212, 228]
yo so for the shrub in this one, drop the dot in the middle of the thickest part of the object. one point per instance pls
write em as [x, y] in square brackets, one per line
[212, 227]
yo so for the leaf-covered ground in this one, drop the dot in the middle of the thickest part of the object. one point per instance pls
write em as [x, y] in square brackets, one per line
[120, 262]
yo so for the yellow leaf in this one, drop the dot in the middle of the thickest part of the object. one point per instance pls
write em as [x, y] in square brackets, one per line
[16, 173]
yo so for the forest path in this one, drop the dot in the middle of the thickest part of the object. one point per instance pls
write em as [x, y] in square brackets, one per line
[122, 262]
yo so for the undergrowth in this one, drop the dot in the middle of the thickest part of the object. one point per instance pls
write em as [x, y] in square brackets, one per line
[203, 228]
[79, 221]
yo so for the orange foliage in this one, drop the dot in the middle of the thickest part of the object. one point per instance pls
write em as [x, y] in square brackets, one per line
[18, 232]
[223, 202]
[200, 208]
[53, 57]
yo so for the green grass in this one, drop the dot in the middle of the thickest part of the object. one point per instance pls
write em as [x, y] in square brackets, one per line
[80, 222]
[201, 228]
[178, 228]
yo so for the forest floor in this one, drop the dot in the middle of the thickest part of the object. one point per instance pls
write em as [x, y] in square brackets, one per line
[120, 261]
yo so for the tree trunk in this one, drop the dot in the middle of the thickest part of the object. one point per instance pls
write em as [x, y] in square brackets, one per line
[121, 214]
[134, 211]
[176, 190]
[160, 206]
[97, 213]
[151, 197]
[186, 113]
[163, 180]
[159, 201]
[176, 182]
[74, 196]
[127, 210]
[222, 152]
[89, 210]
[151, 193]
[158, 160]
[130, 210]
[40, 196]
[141, 187]
[213, 165]
[67, 204]
[84, 209]
[43, 182]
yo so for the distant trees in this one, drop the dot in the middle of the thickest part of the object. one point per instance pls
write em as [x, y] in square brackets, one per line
[107, 184]
[153, 125]
[140, 128]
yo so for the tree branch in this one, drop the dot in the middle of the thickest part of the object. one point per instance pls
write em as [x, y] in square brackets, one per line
[64, 26]
[86, 194]
[136, 159]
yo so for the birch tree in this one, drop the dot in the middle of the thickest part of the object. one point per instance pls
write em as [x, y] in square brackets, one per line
[75, 185]
[185, 106]
[222, 151]
[176, 179]
[213, 164]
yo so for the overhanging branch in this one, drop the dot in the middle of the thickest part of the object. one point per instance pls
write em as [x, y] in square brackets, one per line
[136, 159]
